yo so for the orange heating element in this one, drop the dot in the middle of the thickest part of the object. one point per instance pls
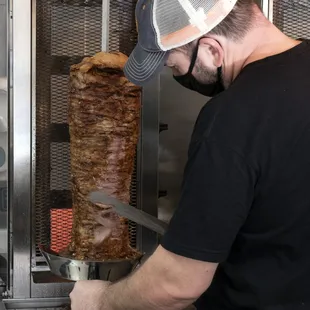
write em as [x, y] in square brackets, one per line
[61, 225]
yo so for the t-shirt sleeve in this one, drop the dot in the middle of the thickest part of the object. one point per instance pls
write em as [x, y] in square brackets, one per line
[217, 194]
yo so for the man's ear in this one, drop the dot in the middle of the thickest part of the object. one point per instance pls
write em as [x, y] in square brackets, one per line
[215, 49]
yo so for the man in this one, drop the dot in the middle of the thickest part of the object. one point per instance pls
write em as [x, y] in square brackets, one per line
[240, 236]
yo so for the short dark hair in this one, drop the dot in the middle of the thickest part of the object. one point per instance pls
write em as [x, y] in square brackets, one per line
[238, 22]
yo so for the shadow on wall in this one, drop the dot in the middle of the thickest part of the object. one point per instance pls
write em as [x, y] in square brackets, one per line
[179, 109]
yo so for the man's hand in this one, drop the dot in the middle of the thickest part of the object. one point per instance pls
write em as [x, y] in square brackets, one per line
[89, 295]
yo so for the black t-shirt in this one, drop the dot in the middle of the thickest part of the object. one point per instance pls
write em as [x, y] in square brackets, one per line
[245, 199]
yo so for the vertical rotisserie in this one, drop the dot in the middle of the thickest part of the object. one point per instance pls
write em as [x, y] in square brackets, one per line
[104, 118]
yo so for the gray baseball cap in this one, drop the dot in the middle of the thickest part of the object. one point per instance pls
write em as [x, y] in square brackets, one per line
[167, 24]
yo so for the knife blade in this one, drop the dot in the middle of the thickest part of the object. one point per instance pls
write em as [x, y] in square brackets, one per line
[125, 210]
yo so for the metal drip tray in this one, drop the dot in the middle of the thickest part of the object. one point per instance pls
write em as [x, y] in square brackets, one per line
[76, 270]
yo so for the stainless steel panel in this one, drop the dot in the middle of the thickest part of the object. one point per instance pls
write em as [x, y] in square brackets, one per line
[35, 303]
[2, 305]
[3, 39]
[4, 46]
[20, 176]
[48, 290]
[179, 109]
[3, 233]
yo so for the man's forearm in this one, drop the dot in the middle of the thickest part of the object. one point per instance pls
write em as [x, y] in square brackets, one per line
[143, 290]
[166, 281]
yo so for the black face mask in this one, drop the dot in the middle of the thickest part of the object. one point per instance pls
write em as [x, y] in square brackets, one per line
[189, 81]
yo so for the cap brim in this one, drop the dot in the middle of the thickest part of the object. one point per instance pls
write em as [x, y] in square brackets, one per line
[142, 66]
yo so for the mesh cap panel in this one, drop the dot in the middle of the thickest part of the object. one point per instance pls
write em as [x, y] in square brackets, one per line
[178, 22]
[167, 21]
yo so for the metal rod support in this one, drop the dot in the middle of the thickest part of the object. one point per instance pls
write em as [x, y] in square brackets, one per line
[105, 25]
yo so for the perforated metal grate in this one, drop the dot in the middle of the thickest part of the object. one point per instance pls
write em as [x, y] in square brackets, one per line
[60, 166]
[66, 32]
[80, 34]
[122, 28]
[59, 97]
[61, 224]
[292, 17]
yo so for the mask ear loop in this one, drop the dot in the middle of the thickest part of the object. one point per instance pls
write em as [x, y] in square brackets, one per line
[220, 72]
[220, 75]
[194, 58]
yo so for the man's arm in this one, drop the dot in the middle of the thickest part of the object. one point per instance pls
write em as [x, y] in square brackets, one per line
[165, 281]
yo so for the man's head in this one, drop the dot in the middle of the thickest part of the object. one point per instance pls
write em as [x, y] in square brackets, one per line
[192, 37]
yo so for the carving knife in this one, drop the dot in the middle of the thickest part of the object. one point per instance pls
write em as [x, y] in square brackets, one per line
[130, 212]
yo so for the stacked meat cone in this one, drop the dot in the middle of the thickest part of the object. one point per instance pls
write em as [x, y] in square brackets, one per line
[104, 118]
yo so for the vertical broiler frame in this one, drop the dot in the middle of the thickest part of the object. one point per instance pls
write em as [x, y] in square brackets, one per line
[25, 290]
[49, 36]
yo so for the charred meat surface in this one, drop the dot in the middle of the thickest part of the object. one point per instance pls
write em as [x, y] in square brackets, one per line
[104, 118]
